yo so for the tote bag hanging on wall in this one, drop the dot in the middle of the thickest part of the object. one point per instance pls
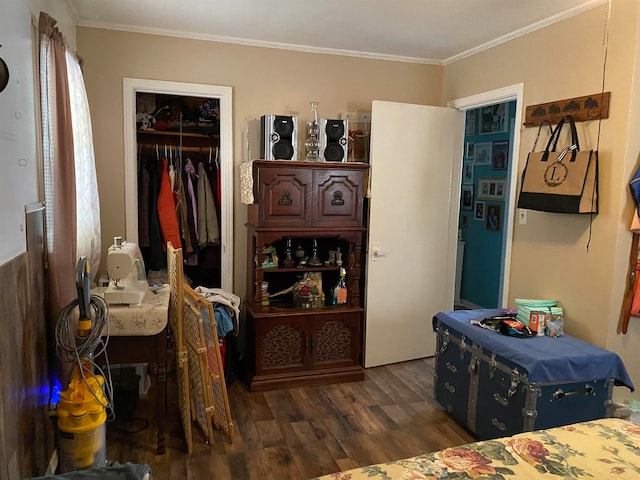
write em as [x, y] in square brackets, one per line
[565, 182]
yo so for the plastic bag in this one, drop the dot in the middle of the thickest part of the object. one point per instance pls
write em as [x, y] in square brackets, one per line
[506, 325]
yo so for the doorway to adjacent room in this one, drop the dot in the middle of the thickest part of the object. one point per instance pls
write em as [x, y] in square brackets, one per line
[488, 196]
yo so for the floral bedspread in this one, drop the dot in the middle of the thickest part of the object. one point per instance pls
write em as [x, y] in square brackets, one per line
[598, 450]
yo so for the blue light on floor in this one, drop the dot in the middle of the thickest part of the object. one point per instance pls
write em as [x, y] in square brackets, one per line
[55, 392]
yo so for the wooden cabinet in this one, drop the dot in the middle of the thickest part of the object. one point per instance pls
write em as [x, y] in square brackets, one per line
[304, 194]
[307, 342]
[305, 205]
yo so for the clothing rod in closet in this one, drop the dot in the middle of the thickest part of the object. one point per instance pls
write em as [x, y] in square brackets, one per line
[203, 150]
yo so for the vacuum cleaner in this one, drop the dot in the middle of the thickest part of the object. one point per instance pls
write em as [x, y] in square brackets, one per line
[82, 408]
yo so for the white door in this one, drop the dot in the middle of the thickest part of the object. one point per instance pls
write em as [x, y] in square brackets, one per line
[416, 154]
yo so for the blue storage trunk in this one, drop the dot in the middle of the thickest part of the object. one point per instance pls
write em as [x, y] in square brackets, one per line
[484, 379]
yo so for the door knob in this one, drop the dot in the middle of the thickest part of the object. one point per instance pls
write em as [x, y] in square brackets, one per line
[377, 253]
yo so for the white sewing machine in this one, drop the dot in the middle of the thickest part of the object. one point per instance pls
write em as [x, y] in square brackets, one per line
[127, 275]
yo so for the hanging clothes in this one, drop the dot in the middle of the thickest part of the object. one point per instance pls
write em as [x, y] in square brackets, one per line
[172, 178]
[156, 258]
[190, 179]
[208, 233]
[181, 212]
[143, 203]
[167, 210]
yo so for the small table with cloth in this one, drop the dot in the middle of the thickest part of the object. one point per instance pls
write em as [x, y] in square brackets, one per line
[138, 334]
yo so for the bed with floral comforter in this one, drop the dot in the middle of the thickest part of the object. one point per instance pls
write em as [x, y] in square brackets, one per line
[598, 450]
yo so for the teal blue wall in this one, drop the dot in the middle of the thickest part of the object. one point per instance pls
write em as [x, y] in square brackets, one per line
[483, 247]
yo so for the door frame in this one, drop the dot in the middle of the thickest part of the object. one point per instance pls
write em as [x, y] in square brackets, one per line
[131, 86]
[505, 94]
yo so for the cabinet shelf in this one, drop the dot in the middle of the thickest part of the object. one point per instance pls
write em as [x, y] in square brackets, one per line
[319, 268]
[279, 308]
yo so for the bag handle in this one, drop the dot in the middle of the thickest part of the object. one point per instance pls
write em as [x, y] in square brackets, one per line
[574, 133]
[548, 123]
[574, 147]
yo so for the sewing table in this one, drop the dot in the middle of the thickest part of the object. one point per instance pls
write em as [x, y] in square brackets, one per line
[138, 334]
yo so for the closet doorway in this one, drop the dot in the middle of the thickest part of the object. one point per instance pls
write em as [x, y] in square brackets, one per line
[222, 156]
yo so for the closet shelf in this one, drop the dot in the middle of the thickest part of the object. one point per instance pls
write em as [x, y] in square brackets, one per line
[195, 141]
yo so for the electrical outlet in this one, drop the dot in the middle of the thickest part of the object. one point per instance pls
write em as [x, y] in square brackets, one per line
[522, 216]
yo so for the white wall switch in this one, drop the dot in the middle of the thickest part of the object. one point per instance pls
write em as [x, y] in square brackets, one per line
[522, 216]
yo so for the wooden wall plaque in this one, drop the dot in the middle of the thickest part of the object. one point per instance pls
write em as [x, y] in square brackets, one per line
[589, 107]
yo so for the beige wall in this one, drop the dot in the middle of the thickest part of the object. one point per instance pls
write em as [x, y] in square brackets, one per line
[263, 81]
[550, 259]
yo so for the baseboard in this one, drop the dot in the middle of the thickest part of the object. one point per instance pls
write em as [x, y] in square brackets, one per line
[53, 464]
[468, 305]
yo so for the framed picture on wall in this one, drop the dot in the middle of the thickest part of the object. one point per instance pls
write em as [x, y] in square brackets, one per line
[470, 124]
[479, 211]
[467, 197]
[467, 173]
[469, 151]
[483, 153]
[494, 217]
[500, 155]
[464, 222]
[491, 188]
[493, 118]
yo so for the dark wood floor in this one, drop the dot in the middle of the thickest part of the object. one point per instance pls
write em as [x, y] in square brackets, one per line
[303, 432]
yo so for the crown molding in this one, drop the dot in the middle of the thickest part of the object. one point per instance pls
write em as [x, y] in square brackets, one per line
[572, 12]
[256, 43]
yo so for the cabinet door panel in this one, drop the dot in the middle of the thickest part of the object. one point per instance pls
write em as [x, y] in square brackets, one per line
[338, 199]
[281, 345]
[284, 197]
[334, 340]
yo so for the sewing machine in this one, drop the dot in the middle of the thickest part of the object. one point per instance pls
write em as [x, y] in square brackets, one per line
[127, 274]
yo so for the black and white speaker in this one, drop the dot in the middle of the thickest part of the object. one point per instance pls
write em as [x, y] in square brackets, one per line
[278, 137]
[333, 138]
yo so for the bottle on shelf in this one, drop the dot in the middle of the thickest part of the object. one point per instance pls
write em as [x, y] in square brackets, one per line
[340, 290]
[315, 261]
[288, 259]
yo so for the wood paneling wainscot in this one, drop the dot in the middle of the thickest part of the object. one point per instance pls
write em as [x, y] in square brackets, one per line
[26, 433]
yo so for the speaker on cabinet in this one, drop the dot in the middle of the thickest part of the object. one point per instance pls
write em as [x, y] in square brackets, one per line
[334, 139]
[279, 137]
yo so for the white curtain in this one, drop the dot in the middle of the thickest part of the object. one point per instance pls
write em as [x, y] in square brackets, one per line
[87, 200]
[70, 188]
